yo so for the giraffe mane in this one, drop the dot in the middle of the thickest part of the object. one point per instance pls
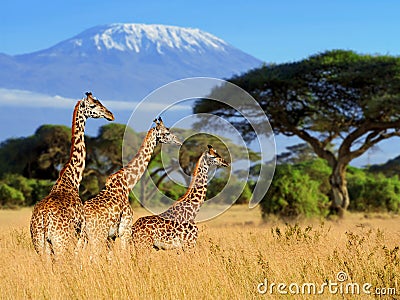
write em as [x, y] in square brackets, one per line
[144, 144]
[194, 175]
[148, 134]
[72, 138]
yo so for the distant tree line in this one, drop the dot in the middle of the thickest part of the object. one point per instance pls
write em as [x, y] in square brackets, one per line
[30, 165]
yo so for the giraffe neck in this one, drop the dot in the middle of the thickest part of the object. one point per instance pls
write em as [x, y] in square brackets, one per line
[188, 206]
[71, 174]
[134, 170]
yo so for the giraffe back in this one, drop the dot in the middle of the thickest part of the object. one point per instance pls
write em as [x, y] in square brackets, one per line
[57, 222]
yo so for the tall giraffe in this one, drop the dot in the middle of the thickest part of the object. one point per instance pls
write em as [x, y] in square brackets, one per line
[57, 220]
[176, 227]
[109, 214]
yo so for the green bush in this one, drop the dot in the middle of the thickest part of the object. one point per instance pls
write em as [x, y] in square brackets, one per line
[373, 193]
[318, 170]
[33, 190]
[10, 197]
[293, 193]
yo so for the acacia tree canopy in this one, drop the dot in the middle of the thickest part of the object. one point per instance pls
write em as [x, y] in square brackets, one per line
[338, 97]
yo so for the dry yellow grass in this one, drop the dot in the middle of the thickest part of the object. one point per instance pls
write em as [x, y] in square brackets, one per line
[235, 253]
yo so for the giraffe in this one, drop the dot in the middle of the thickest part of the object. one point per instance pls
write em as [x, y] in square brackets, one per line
[109, 214]
[57, 219]
[175, 227]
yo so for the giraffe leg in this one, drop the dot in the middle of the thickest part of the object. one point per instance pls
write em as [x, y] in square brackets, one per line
[98, 243]
[82, 243]
[62, 238]
[37, 235]
[81, 238]
[125, 228]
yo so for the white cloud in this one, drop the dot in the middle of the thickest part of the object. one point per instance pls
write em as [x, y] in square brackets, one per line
[31, 99]
[22, 98]
[144, 107]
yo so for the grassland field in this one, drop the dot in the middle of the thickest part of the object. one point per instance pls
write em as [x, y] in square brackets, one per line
[238, 256]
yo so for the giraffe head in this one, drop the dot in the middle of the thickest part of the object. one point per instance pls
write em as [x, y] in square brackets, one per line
[94, 109]
[214, 159]
[163, 134]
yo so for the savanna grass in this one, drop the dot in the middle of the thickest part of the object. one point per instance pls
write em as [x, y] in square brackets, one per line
[236, 252]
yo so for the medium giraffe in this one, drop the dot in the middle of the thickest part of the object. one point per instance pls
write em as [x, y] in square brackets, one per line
[57, 220]
[109, 214]
[176, 227]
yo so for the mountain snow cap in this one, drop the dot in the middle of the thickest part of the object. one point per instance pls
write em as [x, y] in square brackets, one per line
[143, 37]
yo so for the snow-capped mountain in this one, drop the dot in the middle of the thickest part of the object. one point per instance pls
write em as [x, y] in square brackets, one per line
[146, 38]
[123, 61]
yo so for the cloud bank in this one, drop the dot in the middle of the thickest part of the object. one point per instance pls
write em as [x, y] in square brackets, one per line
[23, 98]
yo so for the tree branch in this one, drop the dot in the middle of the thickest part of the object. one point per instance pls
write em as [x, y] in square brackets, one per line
[329, 139]
[372, 139]
[316, 144]
[376, 128]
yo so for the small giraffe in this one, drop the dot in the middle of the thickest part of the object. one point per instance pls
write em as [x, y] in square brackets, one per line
[162, 234]
[176, 227]
[57, 220]
[186, 208]
[109, 214]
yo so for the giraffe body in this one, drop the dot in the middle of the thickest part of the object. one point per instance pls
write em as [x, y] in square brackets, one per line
[109, 215]
[176, 227]
[57, 220]
[161, 234]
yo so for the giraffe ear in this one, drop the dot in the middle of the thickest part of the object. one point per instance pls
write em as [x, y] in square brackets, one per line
[211, 150]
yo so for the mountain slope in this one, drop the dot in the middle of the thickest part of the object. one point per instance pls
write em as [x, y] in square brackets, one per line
[123, 61]
[390, 168]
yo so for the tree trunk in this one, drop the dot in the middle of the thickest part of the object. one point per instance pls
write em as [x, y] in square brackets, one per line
[339, 195]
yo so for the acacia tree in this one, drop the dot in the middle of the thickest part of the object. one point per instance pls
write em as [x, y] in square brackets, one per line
[339, 97]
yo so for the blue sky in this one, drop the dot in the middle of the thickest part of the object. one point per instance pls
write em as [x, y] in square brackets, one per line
[273, 31]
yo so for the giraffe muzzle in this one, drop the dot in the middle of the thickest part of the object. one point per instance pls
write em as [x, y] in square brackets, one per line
[109, 116]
